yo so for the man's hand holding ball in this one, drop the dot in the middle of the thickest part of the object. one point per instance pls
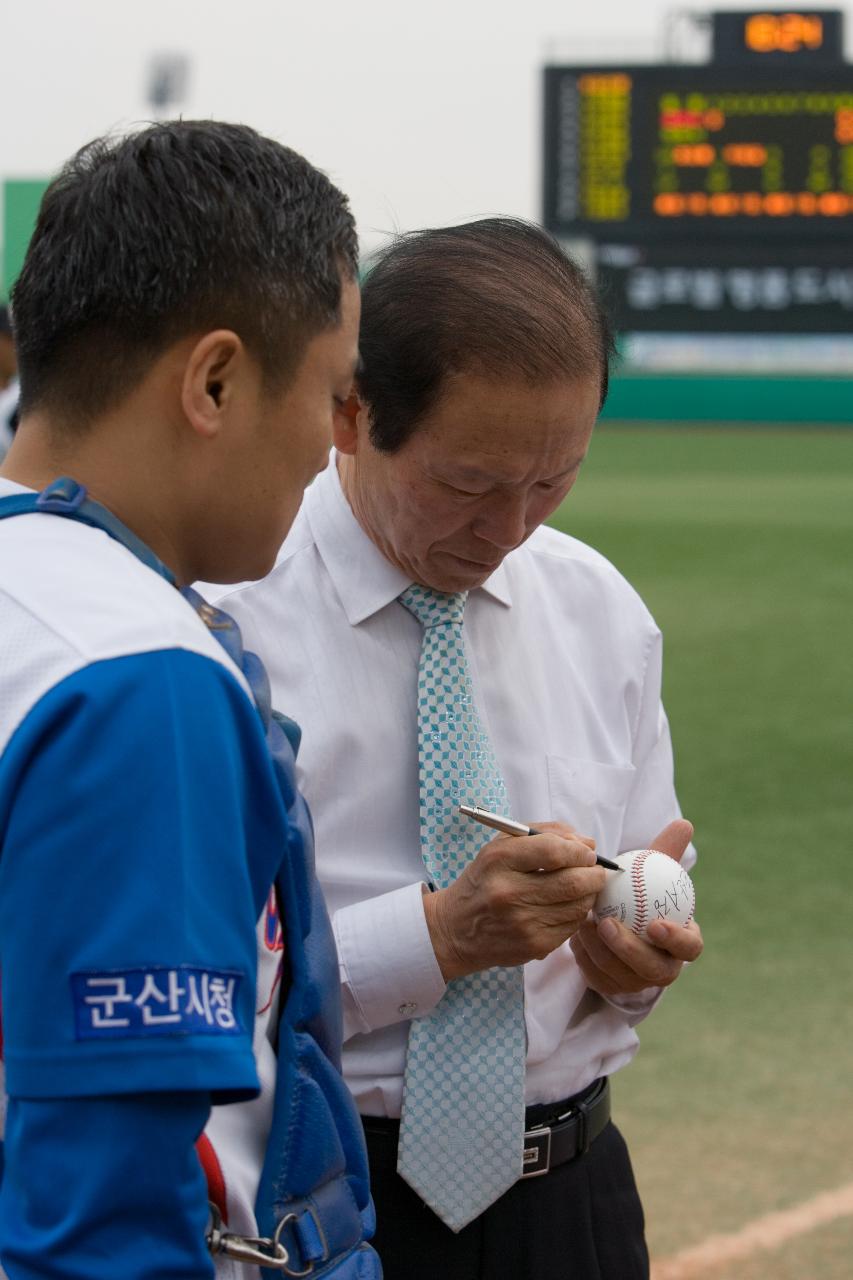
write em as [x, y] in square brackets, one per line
[615, 959]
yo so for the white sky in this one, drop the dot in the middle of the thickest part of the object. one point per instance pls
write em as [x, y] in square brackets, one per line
[425, 114]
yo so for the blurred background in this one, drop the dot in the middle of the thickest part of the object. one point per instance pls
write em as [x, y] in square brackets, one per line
[701, 164]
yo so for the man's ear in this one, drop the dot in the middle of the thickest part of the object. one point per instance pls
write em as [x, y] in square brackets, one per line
[208, 386]
[352, 418]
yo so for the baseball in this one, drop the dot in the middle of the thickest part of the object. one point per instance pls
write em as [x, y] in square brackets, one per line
[652, 887]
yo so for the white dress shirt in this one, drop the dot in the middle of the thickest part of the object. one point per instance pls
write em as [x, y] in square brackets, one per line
[566, 665]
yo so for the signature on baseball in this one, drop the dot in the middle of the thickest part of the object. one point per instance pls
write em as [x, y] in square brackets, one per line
[675, 898]
[654, 888]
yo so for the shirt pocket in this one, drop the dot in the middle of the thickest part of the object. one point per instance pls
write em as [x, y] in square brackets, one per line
[591, 796]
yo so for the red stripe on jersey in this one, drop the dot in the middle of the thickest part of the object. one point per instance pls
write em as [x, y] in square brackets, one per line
[212, 1170]
[268, 1004]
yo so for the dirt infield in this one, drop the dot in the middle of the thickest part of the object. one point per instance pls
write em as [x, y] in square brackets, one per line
[769, 1232]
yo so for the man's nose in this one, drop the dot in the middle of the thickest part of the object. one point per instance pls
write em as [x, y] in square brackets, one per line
[502, 521]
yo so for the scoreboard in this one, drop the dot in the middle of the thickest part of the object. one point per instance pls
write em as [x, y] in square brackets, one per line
[737, 287]
[716, 151]
[718, 196]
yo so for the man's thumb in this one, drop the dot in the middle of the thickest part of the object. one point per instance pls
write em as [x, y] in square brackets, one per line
[674, 838]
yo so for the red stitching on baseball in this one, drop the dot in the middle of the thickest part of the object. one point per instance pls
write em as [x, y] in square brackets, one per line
[638, 882]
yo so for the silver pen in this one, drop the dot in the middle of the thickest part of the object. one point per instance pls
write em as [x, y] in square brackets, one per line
[511, 828]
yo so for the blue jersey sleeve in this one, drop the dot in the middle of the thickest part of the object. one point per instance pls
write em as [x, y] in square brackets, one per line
[100, 1188]
[140, 829]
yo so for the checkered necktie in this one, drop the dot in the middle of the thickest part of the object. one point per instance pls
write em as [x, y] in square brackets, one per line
[462, 1126]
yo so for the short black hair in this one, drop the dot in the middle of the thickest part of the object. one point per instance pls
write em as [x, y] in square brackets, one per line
[180, 228]
[496, 296]
[5, 322]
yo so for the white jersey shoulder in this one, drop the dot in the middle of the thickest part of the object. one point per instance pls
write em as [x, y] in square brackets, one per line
[71, 595]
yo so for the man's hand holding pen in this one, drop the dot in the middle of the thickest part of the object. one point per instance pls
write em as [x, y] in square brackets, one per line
[518, 900]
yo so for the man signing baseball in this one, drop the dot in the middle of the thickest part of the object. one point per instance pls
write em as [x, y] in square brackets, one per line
[443, 648]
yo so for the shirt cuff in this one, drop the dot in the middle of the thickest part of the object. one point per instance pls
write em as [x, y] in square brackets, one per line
[637, 1006]
[388, 968]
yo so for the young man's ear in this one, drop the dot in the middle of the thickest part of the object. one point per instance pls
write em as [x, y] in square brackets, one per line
[351, 420]
[210, 373]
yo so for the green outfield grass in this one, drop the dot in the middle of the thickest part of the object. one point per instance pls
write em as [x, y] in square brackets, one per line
[741, 1099]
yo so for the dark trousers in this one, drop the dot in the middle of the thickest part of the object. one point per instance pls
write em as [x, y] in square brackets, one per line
[581, 1221]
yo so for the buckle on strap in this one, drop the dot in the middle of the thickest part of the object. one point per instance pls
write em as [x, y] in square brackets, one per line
[64, 497]
[536, 1159]
[257, 1251]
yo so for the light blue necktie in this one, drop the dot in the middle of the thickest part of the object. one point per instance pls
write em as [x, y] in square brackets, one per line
[462, 1125]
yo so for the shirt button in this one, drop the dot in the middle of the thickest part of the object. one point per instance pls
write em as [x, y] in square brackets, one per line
[406, 1010]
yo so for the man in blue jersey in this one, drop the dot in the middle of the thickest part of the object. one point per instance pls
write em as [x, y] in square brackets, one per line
[186, 322]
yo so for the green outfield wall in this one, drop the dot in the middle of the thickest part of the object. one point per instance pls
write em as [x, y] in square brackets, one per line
[736, 398]
[21, 200]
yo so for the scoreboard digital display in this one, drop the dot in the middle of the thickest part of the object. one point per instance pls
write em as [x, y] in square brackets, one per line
[654, 152]
[811, 35]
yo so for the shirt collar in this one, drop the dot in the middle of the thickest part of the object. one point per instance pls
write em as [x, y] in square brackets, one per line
[363, 578]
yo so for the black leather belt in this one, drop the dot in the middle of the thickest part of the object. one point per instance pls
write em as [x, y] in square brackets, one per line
[575, 1126]
[555, 1133]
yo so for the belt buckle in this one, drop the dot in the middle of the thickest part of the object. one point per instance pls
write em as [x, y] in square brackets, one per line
[537, 1152]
